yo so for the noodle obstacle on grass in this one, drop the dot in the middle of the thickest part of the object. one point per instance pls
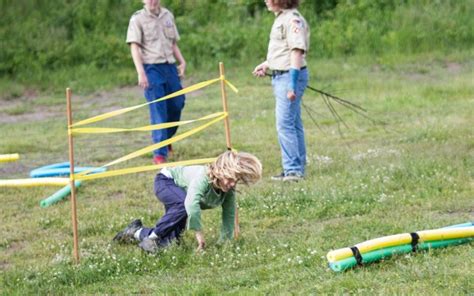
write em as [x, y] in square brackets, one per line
[9, 157]
[383, 247]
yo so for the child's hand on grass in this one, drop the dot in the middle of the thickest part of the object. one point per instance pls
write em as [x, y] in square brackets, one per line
[201, 241]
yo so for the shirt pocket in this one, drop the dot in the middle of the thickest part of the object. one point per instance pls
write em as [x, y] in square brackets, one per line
[170, 33]
[150, 32]
[278, 32]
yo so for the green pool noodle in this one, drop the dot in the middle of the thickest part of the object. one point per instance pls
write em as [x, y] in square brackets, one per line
[380, 254]
[59, 195]
[467, 224]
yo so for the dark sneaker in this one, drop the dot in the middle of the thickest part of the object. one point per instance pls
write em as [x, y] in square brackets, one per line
[149, 245]
[292, 177]
[127, 235]
[279, 177]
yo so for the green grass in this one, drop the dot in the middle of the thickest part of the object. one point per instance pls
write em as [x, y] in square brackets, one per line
[413, 173]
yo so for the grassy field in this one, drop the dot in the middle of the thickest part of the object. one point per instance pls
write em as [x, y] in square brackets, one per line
[414, 172]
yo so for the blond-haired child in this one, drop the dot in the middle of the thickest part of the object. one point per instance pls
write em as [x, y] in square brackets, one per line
[185, 191]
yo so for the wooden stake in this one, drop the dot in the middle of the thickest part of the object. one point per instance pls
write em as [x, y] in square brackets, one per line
[224, 106]
[71, 179]
[227, 139]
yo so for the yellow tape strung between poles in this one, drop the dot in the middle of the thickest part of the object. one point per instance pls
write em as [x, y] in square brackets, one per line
[231, 86]
[100, 130]
[175, 94]
[143, 169]
[157, 145]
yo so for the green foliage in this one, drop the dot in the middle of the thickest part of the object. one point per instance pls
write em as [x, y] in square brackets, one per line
[41, 37]
[395, 26]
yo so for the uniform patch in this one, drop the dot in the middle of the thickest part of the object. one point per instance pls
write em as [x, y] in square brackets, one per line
[296, 25]
[169, 24]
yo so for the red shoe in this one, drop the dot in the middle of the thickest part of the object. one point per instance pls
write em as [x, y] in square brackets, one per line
[157, 159]
[170, 150]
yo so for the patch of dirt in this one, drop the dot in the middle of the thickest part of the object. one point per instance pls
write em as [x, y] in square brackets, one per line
[454, 68]
[12, 168]
[4, 265]
[103, 101]
[28, 117]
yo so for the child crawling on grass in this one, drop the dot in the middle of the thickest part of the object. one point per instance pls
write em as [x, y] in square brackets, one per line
[185, 191]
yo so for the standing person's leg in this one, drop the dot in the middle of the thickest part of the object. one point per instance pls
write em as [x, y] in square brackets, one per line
[286, 112]
[302, 83]
[174, 105]
[173, 222]
[158, 111]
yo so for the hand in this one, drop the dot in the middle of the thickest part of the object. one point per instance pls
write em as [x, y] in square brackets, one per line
[181, 70]
[143, 81]
[201, 241]
[260, 70]
[291, 95]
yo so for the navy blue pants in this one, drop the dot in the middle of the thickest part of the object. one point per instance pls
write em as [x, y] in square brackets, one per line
[173, 222]
[163, 80]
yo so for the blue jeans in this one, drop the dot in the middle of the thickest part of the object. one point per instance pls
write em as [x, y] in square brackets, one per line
[163, 80]
[173, 222]
[289, 123]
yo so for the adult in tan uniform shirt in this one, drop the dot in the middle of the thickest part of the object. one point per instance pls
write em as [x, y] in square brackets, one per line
[153, 37]
[289, 43]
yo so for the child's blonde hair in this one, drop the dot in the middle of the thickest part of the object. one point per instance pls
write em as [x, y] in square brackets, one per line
[238, 166]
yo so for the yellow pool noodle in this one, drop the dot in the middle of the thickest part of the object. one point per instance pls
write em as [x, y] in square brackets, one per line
[34, 182]
[401, 239]
[9, 157]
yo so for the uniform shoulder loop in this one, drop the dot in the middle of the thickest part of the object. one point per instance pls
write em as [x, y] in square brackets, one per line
[138, 12]
[296, 13]
[165, 11]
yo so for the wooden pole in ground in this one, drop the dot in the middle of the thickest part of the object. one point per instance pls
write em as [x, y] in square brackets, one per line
[224, 106]
[71, 179]
[227, 138]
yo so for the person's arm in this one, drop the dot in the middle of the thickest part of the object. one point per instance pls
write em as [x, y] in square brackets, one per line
[296, 60]
[260, 70]
[228, 217]
[138, 61]
[193, 209]
[179, 57]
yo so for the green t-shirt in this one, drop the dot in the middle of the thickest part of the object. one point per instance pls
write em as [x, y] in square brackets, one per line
[200, 195]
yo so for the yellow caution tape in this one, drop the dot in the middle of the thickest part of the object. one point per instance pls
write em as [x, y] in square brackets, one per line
[231, 86]
[142, 169]
[99, 130]
[158, 145]
[175, 94]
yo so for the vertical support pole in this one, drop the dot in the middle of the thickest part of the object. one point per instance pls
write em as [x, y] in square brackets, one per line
[224, 106]
[227, 138]
[71, 178]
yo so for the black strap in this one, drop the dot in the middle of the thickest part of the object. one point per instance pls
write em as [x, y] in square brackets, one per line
[414, 241]
[357, 255]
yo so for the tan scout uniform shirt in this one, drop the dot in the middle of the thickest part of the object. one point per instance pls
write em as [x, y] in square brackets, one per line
[155, 34]
[289, 31]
